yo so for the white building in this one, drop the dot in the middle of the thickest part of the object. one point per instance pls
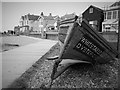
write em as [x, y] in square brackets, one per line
[110, 22]
[29, 23]
[48, 23]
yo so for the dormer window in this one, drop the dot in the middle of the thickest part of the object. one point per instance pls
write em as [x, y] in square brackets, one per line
[91, 10]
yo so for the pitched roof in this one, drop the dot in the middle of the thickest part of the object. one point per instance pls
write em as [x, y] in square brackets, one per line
[115, 4]
[51, 22]
[32, 17]
[96, 8]
[68, 16]
[48, 17]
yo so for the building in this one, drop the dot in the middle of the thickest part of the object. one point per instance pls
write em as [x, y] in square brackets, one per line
[17, 30]
[48, 25]
[29, 23]
[110, 22]
[68, 16]
[94, 16]
[10, 32]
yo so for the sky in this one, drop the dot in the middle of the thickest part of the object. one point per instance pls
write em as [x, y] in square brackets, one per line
[12, 10]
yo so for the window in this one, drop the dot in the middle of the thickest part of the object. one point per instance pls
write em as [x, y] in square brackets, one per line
[27, 22]
[31, 28]
[41, 21]
[52, 28]
[107, 27]
[114, 26]
[109, 14]
[91, 10]
[114, 14]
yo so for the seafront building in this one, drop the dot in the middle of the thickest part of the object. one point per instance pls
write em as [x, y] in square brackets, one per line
[29, 23]
[45, 26]
[111, 14]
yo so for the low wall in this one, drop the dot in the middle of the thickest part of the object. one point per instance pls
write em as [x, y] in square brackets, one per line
[52, 36]
[111, 37]
[35, 35]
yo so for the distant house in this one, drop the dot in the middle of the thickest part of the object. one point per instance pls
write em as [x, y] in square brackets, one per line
[94, 16]
[48, 23]
[17, 30]
[29, 23]
[68, 16]
[10, 32]
[111, 18]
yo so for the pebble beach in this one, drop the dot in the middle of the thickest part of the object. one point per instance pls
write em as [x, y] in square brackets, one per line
[77, 76]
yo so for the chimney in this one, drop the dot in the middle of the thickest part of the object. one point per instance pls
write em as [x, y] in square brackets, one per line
[50, 14]
[42, 14]
[28, 14]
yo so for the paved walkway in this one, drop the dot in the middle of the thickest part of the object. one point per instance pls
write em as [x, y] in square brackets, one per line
[17, 61]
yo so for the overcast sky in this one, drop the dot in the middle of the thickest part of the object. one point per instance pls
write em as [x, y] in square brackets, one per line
[12, 11]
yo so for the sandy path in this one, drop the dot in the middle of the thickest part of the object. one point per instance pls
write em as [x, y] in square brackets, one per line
[17, 61]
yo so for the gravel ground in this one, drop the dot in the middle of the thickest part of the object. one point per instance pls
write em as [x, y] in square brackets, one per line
[77, 76]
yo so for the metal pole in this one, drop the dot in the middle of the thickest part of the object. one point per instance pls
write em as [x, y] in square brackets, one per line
[118, 43]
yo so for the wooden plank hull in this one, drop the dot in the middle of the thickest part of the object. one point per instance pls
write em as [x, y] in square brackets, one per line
[82, 42]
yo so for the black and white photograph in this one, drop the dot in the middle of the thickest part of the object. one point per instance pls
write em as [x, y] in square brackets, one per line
[58, 44]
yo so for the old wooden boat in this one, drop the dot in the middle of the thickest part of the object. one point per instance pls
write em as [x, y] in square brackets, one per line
[79, 42]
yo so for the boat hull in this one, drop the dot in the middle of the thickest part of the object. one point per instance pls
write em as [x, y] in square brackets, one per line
[80, 41]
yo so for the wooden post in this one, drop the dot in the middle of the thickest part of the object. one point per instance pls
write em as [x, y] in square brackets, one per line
[118, 43]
